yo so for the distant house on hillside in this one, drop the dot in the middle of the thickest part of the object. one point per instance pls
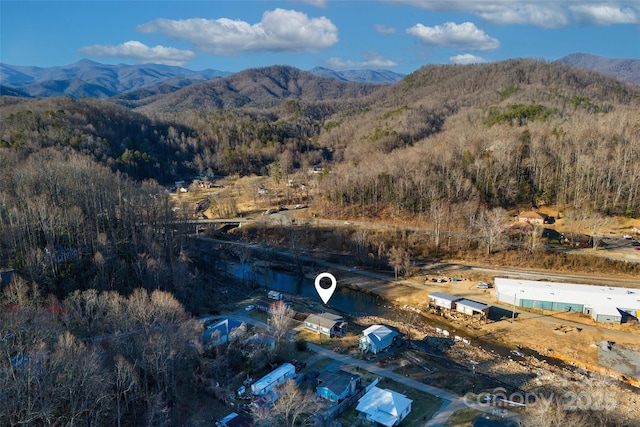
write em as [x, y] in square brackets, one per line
[376, 338]
[329, 324]
[532, 217]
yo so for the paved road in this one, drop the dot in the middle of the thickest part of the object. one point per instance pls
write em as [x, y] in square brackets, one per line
[450, 402]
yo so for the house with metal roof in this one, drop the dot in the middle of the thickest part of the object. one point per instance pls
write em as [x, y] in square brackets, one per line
[383, 406]
[336, 386]
[329, 324]
[603, 303]
[376, 338]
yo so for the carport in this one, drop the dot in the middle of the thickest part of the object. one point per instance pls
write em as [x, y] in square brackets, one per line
[472, 308]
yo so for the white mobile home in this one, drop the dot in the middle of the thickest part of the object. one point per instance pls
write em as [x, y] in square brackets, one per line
[277, 377]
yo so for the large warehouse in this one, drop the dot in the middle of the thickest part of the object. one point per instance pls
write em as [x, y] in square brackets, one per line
[603, 303]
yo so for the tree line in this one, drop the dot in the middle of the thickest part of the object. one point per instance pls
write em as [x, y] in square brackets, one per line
[94, 358]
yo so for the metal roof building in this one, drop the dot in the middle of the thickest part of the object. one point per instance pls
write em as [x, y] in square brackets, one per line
[603, 303]
[443, 300]
[471, 307]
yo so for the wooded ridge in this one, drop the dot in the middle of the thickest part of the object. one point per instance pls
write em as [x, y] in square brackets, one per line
[101, 249]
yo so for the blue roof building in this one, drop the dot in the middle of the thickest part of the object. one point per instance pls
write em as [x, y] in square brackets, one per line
[222, 332]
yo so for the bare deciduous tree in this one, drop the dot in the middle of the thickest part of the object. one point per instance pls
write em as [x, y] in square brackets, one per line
[491, 225]
[399, 260]
[293, 407]
[280, 319]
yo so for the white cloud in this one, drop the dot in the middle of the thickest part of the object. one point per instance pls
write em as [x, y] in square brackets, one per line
[280, 30]
[467, 58]
[141, 53]
[384, 29]
[504, 12]
[372, 60]
[462, 36]
[318, 3]
[606, 14]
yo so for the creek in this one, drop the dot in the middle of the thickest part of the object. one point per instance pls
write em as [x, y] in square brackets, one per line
[344, 300]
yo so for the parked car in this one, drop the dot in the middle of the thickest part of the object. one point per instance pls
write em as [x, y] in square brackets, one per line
[482, 285]
[635, 243]
[249, 307]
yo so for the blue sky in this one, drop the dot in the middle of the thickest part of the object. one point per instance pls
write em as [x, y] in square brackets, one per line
[399, 35]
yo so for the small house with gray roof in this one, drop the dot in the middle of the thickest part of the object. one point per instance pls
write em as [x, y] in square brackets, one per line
[329, 324]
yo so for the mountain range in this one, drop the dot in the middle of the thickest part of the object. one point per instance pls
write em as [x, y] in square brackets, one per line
[626, 70]
[91, 79]
[136, 85]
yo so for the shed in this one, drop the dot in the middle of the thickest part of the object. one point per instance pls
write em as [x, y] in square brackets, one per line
[376, 338]
[329, 324]
[277, 377]
[471, 308]
[443, 300]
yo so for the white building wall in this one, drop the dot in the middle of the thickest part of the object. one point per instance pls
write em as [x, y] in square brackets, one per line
[603, 301]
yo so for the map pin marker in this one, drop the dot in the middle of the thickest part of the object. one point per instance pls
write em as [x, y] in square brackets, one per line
[325, 294]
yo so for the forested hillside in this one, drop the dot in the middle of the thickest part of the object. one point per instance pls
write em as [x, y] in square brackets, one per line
[454, 139]
[95, 331]
[518, 133]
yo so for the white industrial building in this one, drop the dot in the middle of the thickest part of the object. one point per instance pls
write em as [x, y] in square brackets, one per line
[603, 303]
